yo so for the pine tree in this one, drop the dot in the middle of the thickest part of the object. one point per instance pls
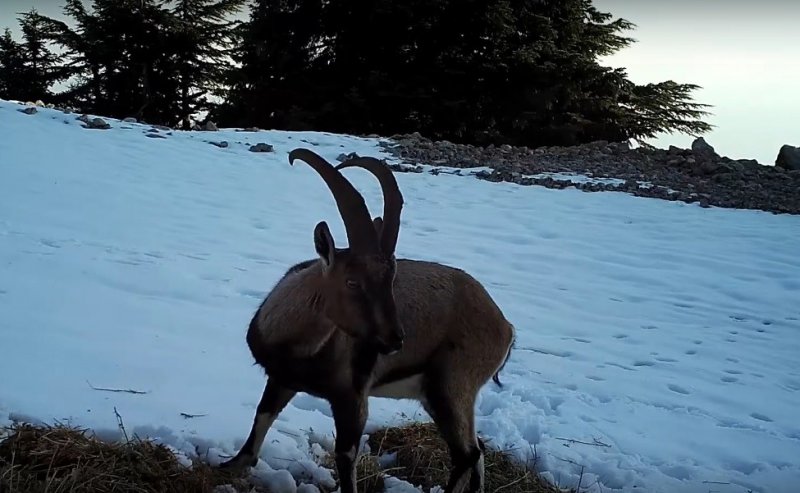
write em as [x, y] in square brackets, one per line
[275, 84]
[202, 35]
[506, 71]
[118, 56]
[28, 69]
[12, 66]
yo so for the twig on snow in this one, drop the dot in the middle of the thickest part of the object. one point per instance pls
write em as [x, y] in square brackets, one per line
[595, 442]
[127, 391]
[121, 425]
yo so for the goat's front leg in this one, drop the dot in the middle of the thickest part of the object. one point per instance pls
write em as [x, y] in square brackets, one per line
[350, 415]
[273, 400]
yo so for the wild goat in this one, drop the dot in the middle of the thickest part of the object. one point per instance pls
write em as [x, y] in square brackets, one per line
[357, 323]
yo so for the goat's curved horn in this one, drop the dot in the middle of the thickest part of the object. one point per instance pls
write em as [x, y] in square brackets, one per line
[392, 198]
[361, 234]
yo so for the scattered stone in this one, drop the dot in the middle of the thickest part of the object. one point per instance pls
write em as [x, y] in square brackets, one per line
[97, 123]
[703, 148]
[222, 145]
[344, 157]
[250, 129]
[210, 126]
[155, 136]
[261, 147]
[30, 110]
[197, 127]
[698, 175]
[162, 127]
[788, 158]
[130, 119]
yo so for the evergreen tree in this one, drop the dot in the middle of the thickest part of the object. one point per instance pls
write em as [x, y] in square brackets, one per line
[274, 85]
[480, 71]
[202, 36]
[28, 69]
[41, 70]
[118, 55]
[12, 66]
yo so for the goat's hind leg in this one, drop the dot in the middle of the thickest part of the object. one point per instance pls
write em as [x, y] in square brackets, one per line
[273, 400]
[454, 417]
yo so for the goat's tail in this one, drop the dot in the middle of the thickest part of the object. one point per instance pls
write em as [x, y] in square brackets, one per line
[496, 377]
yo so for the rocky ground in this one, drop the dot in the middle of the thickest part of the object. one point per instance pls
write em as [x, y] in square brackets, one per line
[691, 175]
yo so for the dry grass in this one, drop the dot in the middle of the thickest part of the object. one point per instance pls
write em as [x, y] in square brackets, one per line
[60, 459]
[423, 459]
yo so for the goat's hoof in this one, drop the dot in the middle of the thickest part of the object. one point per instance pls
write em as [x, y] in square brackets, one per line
[239, 463]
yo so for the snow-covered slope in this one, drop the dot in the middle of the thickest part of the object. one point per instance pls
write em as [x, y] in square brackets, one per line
[658, 342]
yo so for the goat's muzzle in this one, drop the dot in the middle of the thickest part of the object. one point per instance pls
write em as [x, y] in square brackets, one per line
[393, 343]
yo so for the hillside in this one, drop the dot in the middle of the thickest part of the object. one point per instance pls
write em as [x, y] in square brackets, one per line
[657, 341]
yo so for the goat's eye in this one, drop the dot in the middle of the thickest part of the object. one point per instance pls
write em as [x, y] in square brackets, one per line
[352, 283]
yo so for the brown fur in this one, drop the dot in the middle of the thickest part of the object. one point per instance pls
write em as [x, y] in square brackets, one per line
[328, 327]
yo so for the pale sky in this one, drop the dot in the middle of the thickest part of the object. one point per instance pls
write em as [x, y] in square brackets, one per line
[745, 54]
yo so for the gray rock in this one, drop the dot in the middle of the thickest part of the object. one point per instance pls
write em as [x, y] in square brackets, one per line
[130, 119]
[210, 126]
[261, 147]
[703, 149]
[155, 136]
[344, 157]
[788, 158]
[221, 145]
[31, 110]
[98, 123]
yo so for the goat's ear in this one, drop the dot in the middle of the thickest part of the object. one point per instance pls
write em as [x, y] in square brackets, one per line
[378, 224]
[323, 243]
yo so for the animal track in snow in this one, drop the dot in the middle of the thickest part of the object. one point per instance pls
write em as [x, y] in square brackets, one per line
[195, 256]
[251, 293]
[50, 243]
[666, 360]
[761, 417]
[643, 363]
[678, 389]
[729, 379]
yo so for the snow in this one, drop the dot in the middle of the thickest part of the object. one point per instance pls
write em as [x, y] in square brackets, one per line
[657, 341]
